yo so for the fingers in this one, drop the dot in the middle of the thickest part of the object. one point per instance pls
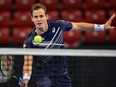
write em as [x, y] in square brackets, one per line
[26, 81]
[21, 85]
[24, 85]
[113, 27]
[108, 23]
[111, 18]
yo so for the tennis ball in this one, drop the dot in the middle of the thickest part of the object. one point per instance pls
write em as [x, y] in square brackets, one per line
[37, 39]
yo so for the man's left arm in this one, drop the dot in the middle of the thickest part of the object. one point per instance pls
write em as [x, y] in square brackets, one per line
[91, 26]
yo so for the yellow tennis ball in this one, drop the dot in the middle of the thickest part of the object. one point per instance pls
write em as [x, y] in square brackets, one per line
[37, 39]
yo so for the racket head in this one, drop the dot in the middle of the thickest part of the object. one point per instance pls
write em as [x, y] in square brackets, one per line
[6, 65]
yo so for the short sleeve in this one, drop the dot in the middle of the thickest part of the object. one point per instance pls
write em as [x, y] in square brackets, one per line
[68, 26]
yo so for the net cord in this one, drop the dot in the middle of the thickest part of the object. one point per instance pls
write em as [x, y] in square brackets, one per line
[58, 52]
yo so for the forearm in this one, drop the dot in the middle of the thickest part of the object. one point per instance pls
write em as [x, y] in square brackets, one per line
[27, 68]
[83, 26]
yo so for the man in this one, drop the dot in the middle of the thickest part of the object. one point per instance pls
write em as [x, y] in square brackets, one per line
[51, 70]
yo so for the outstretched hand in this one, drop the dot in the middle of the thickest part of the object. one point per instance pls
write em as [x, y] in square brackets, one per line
[107, 25]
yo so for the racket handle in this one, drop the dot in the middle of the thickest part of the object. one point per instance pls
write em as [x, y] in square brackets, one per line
[21, 81]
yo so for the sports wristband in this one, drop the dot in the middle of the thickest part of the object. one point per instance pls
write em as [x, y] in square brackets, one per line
[26, 76]
[98, 27]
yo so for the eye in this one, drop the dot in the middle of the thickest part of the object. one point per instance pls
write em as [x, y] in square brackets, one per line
[41, 16]
[35, 16]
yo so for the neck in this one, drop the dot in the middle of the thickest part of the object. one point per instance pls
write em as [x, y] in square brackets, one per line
[40, 31]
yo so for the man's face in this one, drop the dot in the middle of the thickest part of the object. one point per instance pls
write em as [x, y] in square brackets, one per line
[40, 20]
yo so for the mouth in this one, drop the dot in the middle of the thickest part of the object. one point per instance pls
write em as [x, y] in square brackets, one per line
[39, 23]
[40, 28]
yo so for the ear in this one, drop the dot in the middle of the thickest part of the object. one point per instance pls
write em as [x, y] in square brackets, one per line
[47, 16]
[32, 18]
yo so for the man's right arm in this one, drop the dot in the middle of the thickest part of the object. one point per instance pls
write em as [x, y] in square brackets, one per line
[27, 68]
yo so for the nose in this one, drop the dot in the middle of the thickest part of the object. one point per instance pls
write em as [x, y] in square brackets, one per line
[38, 18]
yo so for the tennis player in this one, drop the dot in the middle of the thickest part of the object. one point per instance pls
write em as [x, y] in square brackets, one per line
[51, 71]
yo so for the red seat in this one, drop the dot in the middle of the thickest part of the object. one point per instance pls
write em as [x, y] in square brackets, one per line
[19, 35]
[23, 5]
[95, 4]
[5, 5]
[4, 36]
[112, 4]
[5, 19]
[50, 4]
[74, 15]
[95, 36]
[53, 15]
[111, 12]
[95, 16]
[72, 38]
[22, 19]
[112, 35]
[72, 4]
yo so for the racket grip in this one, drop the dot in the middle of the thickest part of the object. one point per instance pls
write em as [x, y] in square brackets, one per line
[21, 81]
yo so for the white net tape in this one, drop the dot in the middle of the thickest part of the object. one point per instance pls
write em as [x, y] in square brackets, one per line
[58, 52]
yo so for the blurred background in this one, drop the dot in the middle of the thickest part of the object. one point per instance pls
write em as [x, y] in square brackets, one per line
[16, 24]
[15, 21]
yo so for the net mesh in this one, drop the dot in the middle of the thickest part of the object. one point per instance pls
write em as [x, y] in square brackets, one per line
[85, 71]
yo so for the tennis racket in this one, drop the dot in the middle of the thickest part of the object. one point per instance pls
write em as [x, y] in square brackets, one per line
[8, 69]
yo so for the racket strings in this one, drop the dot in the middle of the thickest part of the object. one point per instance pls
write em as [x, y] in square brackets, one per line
[7, 65]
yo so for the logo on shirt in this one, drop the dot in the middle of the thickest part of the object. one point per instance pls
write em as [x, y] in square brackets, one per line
[53, 29]
[24, 45]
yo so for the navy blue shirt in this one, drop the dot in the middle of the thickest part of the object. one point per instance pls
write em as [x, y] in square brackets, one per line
[52, 39]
